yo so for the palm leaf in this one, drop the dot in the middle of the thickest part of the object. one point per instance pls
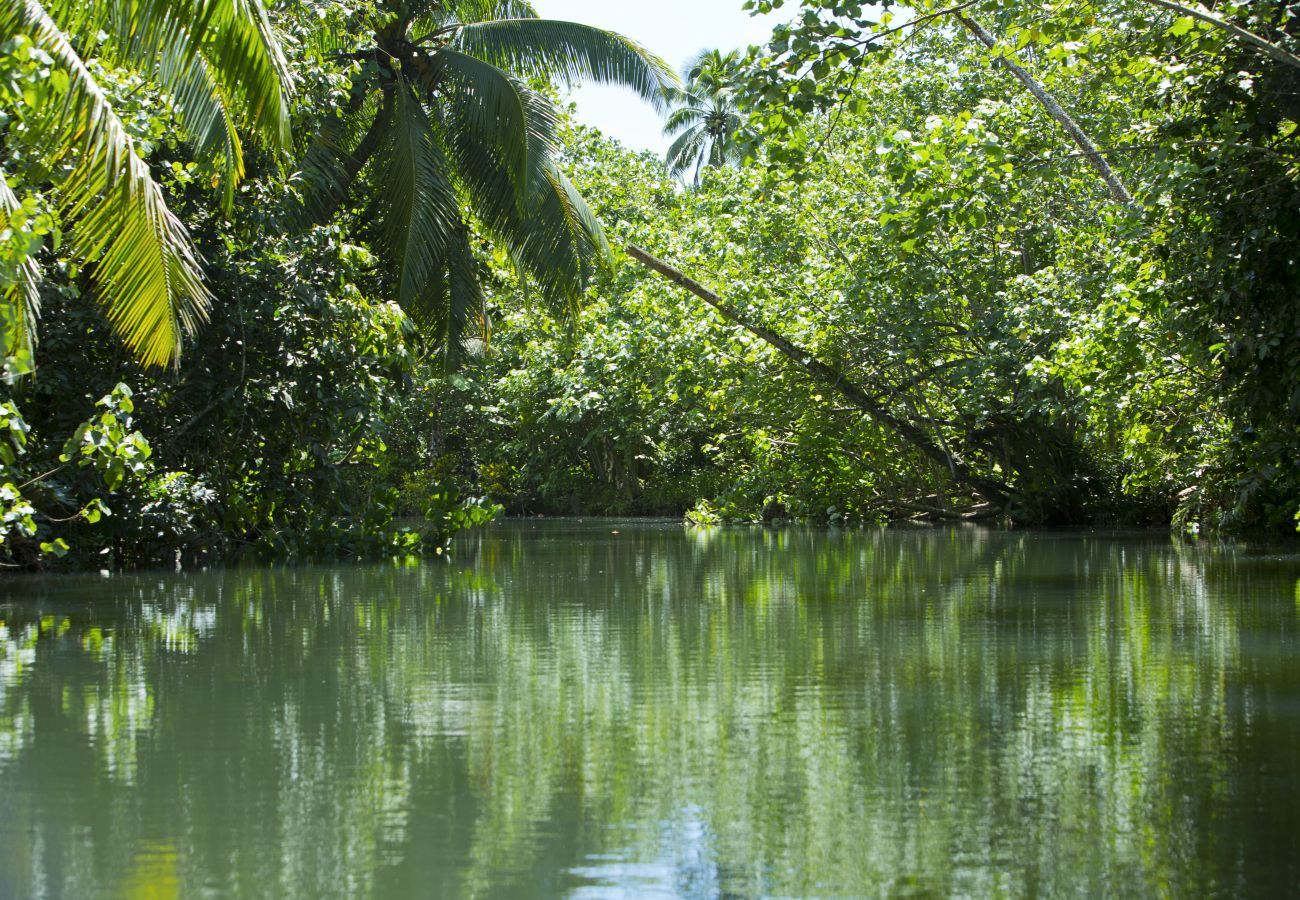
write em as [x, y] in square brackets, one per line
[712, 72]
[498, 199]
[421, 212]
[193, 62]
[19, 288]
[433, 19]
[567, 51]
[484, 102]
[684, 152]
[205, 113]
[586, 229]
[683, 117]
[562, 243]
[484, 10]
[338, 151]
[235, 37]
[553, 237]
[678, 96]
[465, 314]
[145, 269]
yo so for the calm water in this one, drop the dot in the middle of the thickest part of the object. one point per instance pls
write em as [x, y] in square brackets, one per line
[569, 711]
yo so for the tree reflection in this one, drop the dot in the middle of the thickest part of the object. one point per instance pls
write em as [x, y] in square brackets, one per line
[695, 712]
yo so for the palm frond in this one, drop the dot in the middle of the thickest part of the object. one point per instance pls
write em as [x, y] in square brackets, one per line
[485, 102]
[145, 269]
[684, 117]
[465, 316]
[553, 237]
[567, 51]
[484, 10]
[712, 71]
[240, 45]
[684, 96]
[432, 19]
[336, 33]
[563, 242]
[586, 229]
[498, 200]
[205, 112]
[339, 150]
[684, 153]
[421, 212]
[19, 289]
[235, 36]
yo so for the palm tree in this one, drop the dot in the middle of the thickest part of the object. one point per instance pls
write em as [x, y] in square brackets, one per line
[219, 62]
[706, 118]
[447, 139]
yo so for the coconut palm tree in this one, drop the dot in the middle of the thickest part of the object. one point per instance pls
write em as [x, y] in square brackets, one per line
[705, 119]
[447, 139]
[220, 64]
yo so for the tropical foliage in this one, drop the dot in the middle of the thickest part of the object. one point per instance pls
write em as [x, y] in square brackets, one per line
[981, 326]
[1178, 350]
[979, 263]
[273, 432]
[442, 133]
[215, 64]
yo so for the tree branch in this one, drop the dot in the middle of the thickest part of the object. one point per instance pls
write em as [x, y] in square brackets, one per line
[1057, 112]
[991, 490]
[1272, 50]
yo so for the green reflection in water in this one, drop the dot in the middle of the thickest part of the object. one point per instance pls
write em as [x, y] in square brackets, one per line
[580, 712]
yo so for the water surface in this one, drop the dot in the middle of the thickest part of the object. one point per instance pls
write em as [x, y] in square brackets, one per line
[608, 709]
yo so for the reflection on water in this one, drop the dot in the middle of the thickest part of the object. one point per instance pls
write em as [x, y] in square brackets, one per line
[579, 712]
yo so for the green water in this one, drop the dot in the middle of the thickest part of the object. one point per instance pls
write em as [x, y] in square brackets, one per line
[568, 711]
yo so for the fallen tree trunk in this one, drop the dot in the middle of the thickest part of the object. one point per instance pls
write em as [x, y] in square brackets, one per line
[995, 492]
[1273, 51]
[1057, 112]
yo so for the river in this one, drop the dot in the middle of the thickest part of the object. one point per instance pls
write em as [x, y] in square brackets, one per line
[614, 709]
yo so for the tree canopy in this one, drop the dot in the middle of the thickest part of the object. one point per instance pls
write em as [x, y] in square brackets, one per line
[442, 129]
[944, 262]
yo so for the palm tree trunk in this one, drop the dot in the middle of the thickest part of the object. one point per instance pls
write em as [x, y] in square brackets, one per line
[993, 491]
[1272, 50]
[1057, 112]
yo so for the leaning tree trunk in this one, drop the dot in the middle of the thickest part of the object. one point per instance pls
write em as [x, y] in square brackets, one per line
[1057, 112]
[991, 490]
[1249, 37]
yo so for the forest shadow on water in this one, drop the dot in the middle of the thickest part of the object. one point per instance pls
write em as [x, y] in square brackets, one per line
[622, 709]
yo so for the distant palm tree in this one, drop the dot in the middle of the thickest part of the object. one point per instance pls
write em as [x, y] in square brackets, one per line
[442, 130]
[222, 67]
[706, 118]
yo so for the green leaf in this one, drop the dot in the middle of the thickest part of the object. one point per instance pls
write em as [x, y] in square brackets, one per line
[146, 269]
[58, 547]
[568, 51]
[421, 212]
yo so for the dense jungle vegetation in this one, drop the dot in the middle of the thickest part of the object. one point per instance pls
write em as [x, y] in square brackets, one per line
[285, 278]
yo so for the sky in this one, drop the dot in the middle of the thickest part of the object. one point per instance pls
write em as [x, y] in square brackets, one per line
[674, 29]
